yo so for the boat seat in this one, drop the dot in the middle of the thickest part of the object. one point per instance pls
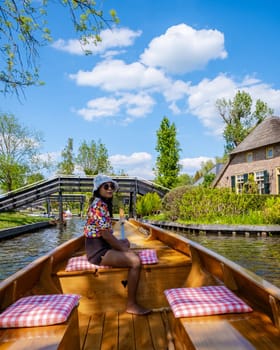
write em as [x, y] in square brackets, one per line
[205, 326]
[41, 321]
[110, 283]
[150, 258]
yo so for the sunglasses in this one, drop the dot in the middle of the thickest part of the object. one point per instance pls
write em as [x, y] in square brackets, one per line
[109, 185]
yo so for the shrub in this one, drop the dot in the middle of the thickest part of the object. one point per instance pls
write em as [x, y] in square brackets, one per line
[271, 210]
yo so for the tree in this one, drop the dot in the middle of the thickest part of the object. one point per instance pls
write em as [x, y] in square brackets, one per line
[148, 204]
[19, 149]
[93, 158]
[67, 166]
[167, 163]
[205, 168]
[239, 118]
[24, 28]
[184, 180]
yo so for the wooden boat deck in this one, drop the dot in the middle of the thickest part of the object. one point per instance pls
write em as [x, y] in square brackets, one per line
[115, 331]
[101, 318]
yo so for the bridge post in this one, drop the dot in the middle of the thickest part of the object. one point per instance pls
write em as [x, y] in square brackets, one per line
[60, 204]
[48, 206]
[132, 204]
[81, 207]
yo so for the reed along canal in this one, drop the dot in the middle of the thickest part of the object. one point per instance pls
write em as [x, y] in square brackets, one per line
[258, 254]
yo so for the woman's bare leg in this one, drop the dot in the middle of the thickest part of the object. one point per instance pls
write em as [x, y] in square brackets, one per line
[128, 259]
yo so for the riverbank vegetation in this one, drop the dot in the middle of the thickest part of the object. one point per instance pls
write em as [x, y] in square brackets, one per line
[202, 205]
[13, 219]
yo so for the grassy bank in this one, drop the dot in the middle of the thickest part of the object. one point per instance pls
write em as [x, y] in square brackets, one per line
[13, 219]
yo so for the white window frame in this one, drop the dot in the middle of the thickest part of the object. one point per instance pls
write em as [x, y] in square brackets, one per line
[259, 179]
[239, 183]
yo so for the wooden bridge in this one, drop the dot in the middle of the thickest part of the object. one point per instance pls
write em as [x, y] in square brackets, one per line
[129, 187]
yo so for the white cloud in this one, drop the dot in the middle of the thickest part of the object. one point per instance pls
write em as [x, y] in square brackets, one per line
[100, 107]
[138, 164]
[203, 96]
[133, 159]
[130, 105]
[111, 38]
[191, 165]
[116, 75]
[183, 49]
[135, 87]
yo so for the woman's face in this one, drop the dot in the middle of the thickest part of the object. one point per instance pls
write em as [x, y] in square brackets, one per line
[107, 190]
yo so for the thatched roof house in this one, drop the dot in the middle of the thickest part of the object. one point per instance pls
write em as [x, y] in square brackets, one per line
[258, 155]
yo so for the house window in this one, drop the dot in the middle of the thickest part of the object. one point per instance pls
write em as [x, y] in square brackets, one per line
[262, 180]
[269, 152]
[249, 157]
[239, 183]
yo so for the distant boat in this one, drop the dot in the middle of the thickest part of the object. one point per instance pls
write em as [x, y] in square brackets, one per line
[67, 214]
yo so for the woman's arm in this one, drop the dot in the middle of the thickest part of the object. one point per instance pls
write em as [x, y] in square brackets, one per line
[113, 241]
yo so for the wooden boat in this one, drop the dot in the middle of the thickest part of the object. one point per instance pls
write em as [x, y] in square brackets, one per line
[99, 321]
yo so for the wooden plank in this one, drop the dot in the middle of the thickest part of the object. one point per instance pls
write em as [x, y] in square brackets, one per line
[94, 336]
[110, 331]
[142, 333]
[126, 332]
[84, 322]
[157, 331]
[218, 335]
[259, 330]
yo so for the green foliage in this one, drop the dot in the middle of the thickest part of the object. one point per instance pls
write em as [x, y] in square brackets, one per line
[171, 202]
[184, 180]
[208, 205]
[24, 29]
[67, 165]
[19, 149]
[271, 211]
[93, 158]
[208, 179]
[148, 204]
[13, 219]
[239, 118]
[205, 167]
[167, 163]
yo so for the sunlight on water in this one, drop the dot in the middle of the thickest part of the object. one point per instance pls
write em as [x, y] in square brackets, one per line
[258, 254]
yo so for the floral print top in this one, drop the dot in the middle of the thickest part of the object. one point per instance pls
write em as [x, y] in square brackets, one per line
[98, 219]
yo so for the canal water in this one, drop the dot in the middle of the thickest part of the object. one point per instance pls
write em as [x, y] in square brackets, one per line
[17, 252]
[258, 254]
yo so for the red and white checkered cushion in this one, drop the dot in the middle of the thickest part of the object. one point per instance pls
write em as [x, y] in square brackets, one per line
[39, 310]
[209, 300]
[148, 256]
[81, 263]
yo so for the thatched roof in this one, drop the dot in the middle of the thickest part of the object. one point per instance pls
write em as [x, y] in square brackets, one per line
[265, 134]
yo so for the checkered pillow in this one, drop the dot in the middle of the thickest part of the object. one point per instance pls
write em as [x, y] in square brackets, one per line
[148, 256]
[210, 300]
[39, 310]
[81, 263]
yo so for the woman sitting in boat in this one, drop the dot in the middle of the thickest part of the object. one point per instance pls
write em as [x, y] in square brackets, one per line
[103, 248]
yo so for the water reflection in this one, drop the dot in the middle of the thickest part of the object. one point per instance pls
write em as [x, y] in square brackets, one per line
[17, 252]
[258, 254]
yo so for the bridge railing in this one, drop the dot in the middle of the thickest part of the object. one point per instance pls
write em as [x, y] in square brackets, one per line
[62, 184]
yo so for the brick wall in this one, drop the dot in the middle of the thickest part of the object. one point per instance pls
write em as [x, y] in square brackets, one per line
[239, 165]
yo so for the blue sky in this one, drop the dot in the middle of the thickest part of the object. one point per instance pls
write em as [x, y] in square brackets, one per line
[165, 58]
